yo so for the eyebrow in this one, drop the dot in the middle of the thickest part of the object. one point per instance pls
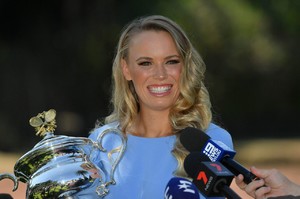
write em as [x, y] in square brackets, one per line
[143, 58]
[173, 56]
[148, 58]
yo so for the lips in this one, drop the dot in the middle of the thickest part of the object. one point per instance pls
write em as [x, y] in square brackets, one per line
[160, 89]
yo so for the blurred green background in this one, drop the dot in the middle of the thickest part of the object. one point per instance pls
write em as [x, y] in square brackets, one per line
[58, 54]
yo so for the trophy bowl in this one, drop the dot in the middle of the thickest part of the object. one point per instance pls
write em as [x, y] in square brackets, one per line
[61, 166]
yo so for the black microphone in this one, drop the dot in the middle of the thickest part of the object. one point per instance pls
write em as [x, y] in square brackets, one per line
[194, 140]
[5, 196]
[211, 178]
[181, 188]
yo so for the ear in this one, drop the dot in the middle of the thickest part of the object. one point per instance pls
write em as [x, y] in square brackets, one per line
[125, 70]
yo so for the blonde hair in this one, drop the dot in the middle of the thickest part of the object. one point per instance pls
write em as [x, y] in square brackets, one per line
[192, 108]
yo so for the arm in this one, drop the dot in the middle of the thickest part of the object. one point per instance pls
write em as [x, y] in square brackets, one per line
[272, 183]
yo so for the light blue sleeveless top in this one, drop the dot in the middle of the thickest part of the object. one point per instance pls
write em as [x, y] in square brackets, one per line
[146, 166]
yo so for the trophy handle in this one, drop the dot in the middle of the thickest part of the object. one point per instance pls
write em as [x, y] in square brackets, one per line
[12, 177]
[102, 189]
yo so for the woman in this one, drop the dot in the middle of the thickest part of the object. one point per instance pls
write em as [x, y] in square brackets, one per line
[158, 90]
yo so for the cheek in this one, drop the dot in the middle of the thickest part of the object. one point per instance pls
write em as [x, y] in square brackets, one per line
[176, 73]
[139, 76]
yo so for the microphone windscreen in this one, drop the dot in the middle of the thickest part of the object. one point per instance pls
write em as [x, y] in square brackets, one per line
[193, 161]
[181, 188]
[193, 139]
[5, 196]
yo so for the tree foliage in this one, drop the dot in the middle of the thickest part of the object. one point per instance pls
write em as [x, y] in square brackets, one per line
[58, 54]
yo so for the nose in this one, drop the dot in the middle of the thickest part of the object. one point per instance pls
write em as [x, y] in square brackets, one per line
[160, 72]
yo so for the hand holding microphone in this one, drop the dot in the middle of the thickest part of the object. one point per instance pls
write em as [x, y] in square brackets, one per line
[276, 185]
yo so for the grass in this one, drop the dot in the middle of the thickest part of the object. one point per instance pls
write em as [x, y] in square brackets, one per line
[7, 162]
[269, 151]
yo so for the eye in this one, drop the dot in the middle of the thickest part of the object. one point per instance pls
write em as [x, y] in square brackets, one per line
[144, 63]
[173, 61]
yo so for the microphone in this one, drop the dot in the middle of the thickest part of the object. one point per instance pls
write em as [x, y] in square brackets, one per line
[5, 196]
[194, 140]
[211, 178]
[181, 188]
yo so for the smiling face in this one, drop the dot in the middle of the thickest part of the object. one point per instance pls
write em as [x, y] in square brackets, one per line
[154, 66]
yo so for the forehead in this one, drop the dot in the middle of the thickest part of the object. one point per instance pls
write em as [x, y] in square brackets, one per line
[150, 35]
[152, 41]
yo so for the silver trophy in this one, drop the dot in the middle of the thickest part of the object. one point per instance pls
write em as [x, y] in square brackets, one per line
[61, 166]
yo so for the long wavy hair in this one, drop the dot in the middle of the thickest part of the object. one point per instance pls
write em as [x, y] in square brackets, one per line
[192, 108]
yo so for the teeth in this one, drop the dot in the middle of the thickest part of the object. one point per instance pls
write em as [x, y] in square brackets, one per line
[160, 89]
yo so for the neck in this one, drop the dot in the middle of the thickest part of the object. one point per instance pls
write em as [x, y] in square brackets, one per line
[152, 124]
